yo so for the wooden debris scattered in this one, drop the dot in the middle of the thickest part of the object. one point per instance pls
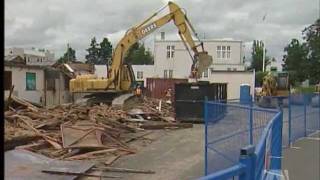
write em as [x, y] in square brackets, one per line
[77, 174]
[124, 170]
[91, 132]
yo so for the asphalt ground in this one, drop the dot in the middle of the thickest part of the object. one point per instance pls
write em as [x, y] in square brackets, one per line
[301, 160]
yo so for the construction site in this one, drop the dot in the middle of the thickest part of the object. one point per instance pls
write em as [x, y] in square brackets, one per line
[196, 112]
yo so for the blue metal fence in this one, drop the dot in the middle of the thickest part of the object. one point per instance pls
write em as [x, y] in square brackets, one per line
[232, 128]
[229, 128]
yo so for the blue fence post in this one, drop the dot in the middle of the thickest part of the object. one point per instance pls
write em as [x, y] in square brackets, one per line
[305, 114]
[289, 120]
[206, 135]
[318, 109]
[276, 143]
[251, 124]
[248, 159]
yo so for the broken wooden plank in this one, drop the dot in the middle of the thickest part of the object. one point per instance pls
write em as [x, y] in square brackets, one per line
[87, 155]
[166, 125]
[24, 103]
[32, 146]
[9, 98]
[124, 170]
[112, 159]
[78, 174]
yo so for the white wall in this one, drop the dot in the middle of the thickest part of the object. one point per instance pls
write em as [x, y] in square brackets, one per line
[61, 95]
[148, 72]
[100, 71]
[234, 80]
[181, 62]
[19, 82]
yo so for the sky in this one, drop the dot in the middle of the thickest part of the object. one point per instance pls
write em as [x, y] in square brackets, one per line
[51, 24]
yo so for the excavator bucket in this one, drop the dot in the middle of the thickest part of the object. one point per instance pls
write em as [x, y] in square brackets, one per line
[203, 62]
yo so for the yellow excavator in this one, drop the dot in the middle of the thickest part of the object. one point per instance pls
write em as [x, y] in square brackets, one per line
[121, 77]
[275, 88]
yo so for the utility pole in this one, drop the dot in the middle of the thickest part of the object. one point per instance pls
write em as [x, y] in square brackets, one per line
[263, 57]
[264, 49]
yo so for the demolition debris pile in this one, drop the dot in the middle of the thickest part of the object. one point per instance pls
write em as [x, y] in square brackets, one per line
[73, 132]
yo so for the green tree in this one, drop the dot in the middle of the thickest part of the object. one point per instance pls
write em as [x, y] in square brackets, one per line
[68, 56]
[138, 55]
[93, 52]
[295, 61]
[105, 51]
[311, 35]
[257, 56]
[259, 78]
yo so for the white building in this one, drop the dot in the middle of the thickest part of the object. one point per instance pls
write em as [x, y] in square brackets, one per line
[142, 72]
[32, 56]
[38, 84]
[172, 60]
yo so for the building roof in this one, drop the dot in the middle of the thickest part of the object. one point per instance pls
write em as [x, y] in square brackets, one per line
[73, 69]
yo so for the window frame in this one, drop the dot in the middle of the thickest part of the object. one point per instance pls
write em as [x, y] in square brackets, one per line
[165, 73]
[139, 74]
[35, 81]
[206, 73]
[170, 73]
[170, 51]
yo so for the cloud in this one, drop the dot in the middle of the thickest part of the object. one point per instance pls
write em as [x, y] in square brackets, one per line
[54, 23]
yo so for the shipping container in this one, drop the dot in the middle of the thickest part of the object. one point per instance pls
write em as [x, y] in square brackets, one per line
[158, 87]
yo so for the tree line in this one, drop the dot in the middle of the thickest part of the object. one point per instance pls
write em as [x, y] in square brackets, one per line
[101, 54]
[301, 59]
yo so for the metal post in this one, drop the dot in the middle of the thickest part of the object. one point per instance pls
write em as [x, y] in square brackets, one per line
[305, 114]
[276, 143]
[248, 159]
[319, 107]
[289, 120]
[251, 124]
[206, 136]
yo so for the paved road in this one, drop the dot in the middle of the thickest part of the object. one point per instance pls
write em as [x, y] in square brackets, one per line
[174, 155]
[302, 160]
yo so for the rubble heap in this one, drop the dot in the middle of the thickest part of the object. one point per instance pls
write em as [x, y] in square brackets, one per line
[73, 132]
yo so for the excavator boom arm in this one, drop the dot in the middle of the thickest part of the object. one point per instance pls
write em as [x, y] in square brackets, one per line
[145, 28]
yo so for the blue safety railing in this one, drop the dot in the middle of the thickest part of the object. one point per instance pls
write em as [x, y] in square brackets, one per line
[243, 141]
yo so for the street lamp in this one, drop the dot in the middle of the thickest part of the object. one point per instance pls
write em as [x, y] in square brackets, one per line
[263, 58]
[264, 50]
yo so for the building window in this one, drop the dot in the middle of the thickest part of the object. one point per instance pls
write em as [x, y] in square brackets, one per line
[170, 73]
[218, 52]
[30, 81]
[206, 73]
[139, 75]
[223, 52]
[41, 60]
[7, 80]
[165, 73]
[170, 51]
[228, 52]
